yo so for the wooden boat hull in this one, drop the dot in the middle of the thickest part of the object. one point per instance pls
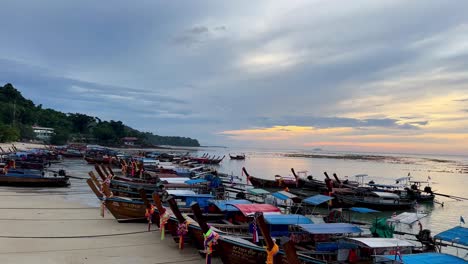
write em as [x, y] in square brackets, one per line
[263, 183]
[34, 182]
[98, 160]
[126, 211]
[237, 157]
[351, 201]
[234, 252]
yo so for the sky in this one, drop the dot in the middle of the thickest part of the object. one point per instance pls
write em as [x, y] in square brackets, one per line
[381, 76]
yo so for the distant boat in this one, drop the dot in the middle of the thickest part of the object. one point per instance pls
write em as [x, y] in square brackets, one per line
[383, 201]
[237, 157]
[33, 178]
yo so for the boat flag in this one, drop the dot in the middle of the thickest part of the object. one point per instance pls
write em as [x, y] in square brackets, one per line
[462, 221]
[254, 230]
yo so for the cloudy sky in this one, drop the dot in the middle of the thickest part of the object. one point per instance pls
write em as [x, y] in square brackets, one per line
[340, 75]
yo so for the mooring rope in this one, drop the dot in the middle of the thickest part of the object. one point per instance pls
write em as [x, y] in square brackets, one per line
[84, 236]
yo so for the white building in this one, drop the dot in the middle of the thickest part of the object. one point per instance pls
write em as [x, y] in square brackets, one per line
[43, 133]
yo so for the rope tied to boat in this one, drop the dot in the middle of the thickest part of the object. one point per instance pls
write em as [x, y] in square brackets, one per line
[210, 239]
[182, 230]
[272, 253]
[149, 212]
[163, 219]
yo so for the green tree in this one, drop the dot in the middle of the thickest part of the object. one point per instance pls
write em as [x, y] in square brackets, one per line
[80, 122]
[60, 137]
[9, 133]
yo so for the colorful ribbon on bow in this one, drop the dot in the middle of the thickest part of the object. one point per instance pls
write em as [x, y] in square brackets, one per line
[163, 219]
[104, 196]
[149, 215]
[182, 230]
[210, 239]
[271, 253]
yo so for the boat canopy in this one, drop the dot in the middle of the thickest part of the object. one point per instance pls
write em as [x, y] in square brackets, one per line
[406, 178]
[386, 195]
[317, 199]
[250, 209]
[286, 219]
[426, 258]
[195, 181]
[283, 195]
[258, 191]
[227, 205]
[175, 180]
[458, 235]
[378, 242]
[363, 210]
[407, 218]
[361, 175]
[180, 192]
[331, 228]
[390, 186]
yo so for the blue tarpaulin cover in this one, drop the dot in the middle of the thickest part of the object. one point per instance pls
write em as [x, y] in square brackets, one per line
[195, 181]
[458, 235]
[427, 258]
[363, 210]
[227, 205]
[317, 199]
[283, 195]
[331, 228]
[286, 219]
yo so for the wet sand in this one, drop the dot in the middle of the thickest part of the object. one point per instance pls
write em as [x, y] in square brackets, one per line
[30, 224]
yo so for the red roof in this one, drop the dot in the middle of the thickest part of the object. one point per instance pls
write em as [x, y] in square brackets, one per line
[129, 139]
[250, 209]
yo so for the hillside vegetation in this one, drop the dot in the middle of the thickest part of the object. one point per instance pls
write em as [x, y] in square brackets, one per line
[18, 115]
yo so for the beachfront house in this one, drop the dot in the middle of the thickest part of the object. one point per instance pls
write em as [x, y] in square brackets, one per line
[129, 141]
[43, 133]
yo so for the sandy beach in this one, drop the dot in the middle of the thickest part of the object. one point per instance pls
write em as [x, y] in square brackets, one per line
[32, 222]
[21, 145]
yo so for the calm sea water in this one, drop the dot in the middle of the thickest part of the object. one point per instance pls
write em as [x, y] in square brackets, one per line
[445, 172]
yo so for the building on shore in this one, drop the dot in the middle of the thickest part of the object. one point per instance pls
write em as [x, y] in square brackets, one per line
[43, 133]
[129, 141]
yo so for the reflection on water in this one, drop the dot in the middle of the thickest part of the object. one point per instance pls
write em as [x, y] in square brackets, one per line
[445, 178]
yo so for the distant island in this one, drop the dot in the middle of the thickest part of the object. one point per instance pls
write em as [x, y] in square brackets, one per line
[21, 119]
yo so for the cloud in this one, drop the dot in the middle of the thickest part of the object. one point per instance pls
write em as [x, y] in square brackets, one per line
[197, 35]
[372, 67]
[327, 122]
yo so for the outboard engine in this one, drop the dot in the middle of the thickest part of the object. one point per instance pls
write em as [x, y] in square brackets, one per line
[310, 177]
[62, 173]
[424, 236]
[414, 187]
[240, 195]
[428, 189]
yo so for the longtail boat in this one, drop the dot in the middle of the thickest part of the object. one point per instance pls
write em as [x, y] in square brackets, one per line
[123, 209]
[382, 201]
[237, 157]
[279, 182]
[32, 178]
